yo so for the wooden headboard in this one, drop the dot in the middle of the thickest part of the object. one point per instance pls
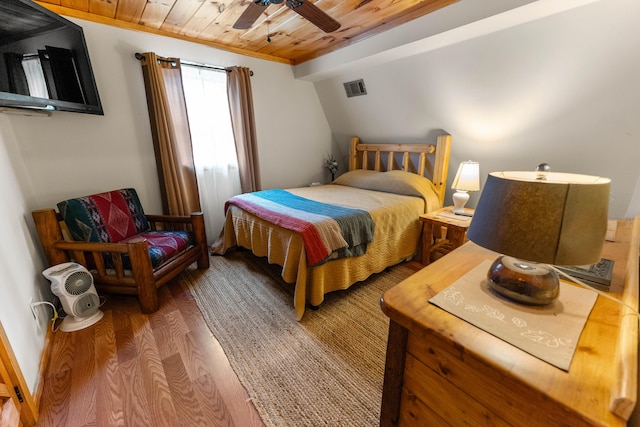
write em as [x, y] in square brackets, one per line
[384, 157]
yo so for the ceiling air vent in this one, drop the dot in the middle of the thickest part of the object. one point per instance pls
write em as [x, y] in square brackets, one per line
[355, 88]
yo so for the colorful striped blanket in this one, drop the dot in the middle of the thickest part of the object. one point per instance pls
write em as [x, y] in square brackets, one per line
[327, 231]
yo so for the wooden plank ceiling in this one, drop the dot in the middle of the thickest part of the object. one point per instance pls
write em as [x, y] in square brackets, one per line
[293, 39]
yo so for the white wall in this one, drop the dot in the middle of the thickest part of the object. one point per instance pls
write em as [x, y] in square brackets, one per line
[20, 260]
[559, 88]
[44, 160]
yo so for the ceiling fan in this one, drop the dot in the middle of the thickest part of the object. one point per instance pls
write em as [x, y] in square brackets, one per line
[306, 9]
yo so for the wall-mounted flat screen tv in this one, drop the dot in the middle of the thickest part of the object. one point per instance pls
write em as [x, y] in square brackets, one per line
[44, 62]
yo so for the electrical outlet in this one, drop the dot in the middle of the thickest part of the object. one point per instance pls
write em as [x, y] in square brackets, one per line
[33, 308]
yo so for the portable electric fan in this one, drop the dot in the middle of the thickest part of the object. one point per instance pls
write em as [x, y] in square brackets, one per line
[73, 284]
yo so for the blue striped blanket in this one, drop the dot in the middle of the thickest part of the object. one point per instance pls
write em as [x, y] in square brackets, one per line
[328, 231]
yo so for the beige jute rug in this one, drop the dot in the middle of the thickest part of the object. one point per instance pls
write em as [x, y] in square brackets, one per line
[326, 370]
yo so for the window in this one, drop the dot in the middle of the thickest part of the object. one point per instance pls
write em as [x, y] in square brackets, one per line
[214, 151]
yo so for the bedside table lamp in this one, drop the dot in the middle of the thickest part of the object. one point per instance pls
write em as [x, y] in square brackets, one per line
[467, 179]
[534, 220]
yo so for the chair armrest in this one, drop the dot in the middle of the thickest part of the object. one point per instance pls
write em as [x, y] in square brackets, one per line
[84, 252]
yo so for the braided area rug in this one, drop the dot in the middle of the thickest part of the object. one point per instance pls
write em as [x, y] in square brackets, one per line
[326, 370]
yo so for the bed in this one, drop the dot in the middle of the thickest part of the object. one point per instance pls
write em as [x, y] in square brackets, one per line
[392, 184]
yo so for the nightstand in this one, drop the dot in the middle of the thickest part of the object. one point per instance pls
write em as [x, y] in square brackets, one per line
[434, 239]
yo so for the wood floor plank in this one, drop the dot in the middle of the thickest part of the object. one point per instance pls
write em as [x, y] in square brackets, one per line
[167, 302]
[122, 307]
[184, 302]
[196, 350]
[214, 366]
[134, 395]
[63, 349]
[186, 403]
[54, 407]
[169, 334]
[83, 378]
[223, 376]
[110, 407]
[153, 376]
[216, 410]
[132, 369]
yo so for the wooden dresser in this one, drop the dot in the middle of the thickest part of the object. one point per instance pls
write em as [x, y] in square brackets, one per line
[441, 370]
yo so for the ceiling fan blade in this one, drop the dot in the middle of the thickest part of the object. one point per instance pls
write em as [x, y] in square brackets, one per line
[313, 14]
[250, 15]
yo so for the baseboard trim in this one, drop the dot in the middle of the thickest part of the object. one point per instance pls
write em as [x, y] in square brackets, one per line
[44, 365]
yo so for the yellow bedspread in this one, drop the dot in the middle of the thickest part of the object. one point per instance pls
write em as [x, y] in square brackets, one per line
[396, 238]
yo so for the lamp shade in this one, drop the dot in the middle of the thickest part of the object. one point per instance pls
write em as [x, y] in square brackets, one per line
[468, 177]
[560, 219]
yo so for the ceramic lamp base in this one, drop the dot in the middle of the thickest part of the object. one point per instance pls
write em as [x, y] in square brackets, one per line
[524, 282]
[460, 198]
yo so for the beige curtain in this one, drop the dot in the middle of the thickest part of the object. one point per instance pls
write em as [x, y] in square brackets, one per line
[244, 127]
[171, 135]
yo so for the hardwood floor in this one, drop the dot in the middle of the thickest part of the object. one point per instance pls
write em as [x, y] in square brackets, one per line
[131, 369]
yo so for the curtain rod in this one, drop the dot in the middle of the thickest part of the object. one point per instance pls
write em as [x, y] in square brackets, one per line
[140, 57]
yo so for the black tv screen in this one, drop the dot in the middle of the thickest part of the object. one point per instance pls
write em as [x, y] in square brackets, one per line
[44, 62]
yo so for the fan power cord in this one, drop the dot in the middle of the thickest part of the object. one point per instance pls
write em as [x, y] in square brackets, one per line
[55, 313]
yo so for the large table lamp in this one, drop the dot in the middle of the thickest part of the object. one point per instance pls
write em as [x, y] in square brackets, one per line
[536, 220]
[467, 179]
